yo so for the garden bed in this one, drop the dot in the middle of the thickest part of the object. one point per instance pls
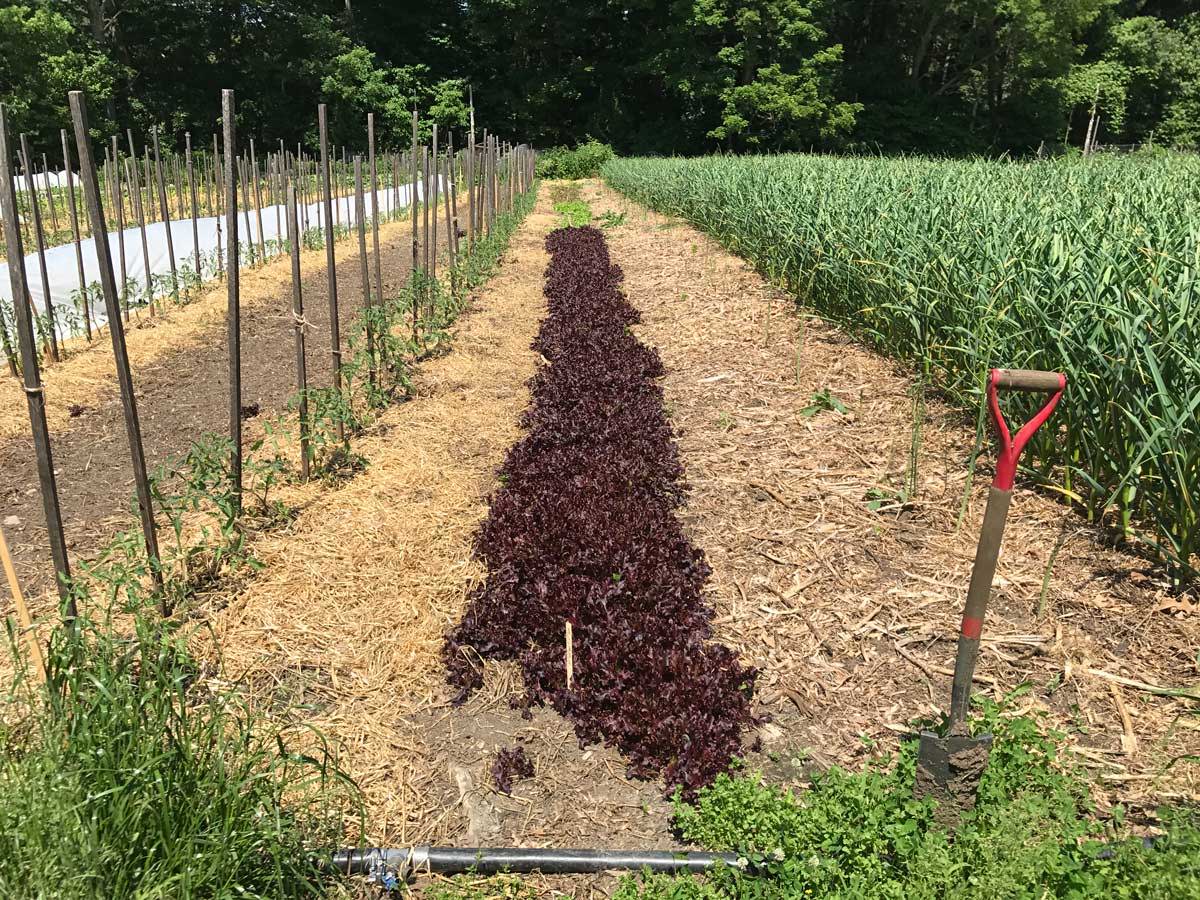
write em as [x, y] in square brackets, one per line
[582, 538]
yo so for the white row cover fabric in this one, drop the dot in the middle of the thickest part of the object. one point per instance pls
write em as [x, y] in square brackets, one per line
[57, 179]
[63, 271]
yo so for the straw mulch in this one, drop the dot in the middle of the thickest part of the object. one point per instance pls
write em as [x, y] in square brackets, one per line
[343, 626]
[852, 614]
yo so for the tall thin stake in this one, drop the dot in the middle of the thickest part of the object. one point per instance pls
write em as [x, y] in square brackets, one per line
[293, 223]
[451, 225]
[335, 343]
[262, 244]
[433, 202]
[233, 282]
[426, 202]
[49, 193]
[412, 202]
[116, 329]
[133, 178]
[471, 177]
[119, 203]
[40, 239]
[374, 206]
[166, 216]
[191, 180]
[83, 292]
[360, 210]
[244, 168]
[32, 374]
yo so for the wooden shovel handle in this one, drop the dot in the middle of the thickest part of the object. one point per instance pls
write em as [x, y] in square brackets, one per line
[1029, 380]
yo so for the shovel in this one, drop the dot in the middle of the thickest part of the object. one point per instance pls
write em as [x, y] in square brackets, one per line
[950, 766]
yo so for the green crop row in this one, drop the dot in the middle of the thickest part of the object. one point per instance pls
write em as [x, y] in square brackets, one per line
[1088, 267]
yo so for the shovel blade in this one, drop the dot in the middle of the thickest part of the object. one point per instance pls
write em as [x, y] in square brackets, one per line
[949, 770]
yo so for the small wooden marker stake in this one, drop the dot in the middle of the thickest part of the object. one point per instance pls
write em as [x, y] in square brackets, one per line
[23, 617]
[570, 655]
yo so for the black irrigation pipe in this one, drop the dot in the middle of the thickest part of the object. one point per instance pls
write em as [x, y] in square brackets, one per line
[392, 866]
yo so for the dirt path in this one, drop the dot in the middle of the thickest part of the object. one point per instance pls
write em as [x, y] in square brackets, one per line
[853, 614]
[180, 371]
[345, 623]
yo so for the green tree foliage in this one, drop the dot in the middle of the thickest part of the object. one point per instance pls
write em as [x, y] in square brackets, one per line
[767, 67]
[1162, 76]
[40, 61]
[648, 76]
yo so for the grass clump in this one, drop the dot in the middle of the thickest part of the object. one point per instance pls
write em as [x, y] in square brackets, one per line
[137, 773]
[584, 161]
[1034, 833]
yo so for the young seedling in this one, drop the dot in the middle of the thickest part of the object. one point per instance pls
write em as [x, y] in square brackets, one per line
[823, 401]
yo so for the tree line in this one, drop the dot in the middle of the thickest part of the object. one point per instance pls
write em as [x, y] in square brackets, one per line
[647, 76]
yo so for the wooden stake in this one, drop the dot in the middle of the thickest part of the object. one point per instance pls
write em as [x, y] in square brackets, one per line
[116, 329]
[40, 246]
[216, 178]
[141, 213]
[374, 207]
[360, 210]
[49, 193]
[29, 367]
[234, 308]
[262, 244]
[119, 203]
[279, 197]
[166, 216]
[412, 202]
[425, 204]
[434, 192]
[451, 225]
[131, 175]
[191, 180]
[293, 222]
[243, 175]
[87, 313]
[570, 641]
[23, 617]
[471, 176]
[335, 343]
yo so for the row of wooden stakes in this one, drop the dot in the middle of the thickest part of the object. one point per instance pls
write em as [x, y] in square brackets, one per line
[493, 174]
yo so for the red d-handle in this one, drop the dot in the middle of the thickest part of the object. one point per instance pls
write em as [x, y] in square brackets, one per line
[1053, 383]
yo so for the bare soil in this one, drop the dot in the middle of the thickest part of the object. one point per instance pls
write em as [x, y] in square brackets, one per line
[181, 378]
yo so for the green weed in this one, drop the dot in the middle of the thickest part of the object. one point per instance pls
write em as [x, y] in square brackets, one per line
[1034, 833]
[823, 401]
